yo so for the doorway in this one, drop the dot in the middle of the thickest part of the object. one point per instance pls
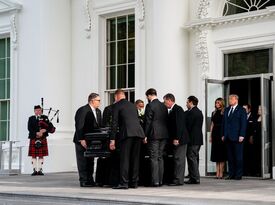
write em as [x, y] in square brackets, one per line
[256, 91]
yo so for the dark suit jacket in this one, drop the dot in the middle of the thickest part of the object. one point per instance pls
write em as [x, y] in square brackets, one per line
[156, 116]
[177, 125]
[234, 125]
[81, 119]
[194, 121]
[125, 119]
[251, 127]
[33, 126]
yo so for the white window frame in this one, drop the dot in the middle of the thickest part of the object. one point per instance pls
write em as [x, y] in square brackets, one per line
[126, 89]
[101, 13]
[8, 100]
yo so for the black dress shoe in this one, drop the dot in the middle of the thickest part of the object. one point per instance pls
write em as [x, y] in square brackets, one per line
[133, 186]
[175, 184]
[238, 178]
[34, 173]
[229, 178]
[121, 186]
[155, 185]
[192, 182]
[87, 184]
[40, 173]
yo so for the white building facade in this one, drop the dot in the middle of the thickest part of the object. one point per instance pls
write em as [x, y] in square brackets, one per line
[62, 50]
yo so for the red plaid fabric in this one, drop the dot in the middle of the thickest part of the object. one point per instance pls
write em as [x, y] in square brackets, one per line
[38, 152]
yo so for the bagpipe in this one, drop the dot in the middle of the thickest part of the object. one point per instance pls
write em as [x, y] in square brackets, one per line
[45, 122]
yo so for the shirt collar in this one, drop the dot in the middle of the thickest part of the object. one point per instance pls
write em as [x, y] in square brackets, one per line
[93, 109]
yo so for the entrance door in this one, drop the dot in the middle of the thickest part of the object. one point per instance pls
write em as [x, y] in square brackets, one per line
[256, 91]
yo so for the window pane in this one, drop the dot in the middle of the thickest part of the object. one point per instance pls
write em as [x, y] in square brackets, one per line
[3, 131]
[111, 77]
[111, 30]
[2, 89]
[131, 76]
[2, 68]
[8, 68]
[121, 76]
[121, 52]
[8, 130]
[111, 98]
[240, 6]
[8, 47]
[8, 88]
[8, 107]
[111, 53]
[248, 63]
[3, 108]
[121, 28]
[132, 97]
[131, 26]
[131, 51]
[2, 48]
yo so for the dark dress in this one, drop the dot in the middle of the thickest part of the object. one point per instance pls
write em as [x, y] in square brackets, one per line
[218, 151]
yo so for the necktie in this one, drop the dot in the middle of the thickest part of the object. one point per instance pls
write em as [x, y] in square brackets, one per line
[230, 112]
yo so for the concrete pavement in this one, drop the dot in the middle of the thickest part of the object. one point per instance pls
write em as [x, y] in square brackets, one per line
[63, 188]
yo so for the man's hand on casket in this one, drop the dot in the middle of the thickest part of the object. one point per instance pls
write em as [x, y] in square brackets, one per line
[112, 145]
[83, 143]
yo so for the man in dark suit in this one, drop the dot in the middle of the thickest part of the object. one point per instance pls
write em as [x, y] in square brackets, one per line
[125, 119]
[178, 137]
[194, 121]
[156, 117]
[87, 119]
[234, 129]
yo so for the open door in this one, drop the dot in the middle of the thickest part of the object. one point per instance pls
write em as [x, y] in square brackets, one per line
[213, 90]
[266, 99]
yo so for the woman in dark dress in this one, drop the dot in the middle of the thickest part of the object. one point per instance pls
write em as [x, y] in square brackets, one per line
[218, 151]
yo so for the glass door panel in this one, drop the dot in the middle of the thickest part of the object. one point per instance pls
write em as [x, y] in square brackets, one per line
[266, 125]
[214, 89]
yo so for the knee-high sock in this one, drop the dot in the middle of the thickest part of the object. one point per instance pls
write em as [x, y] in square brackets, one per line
[40, 163]
[34, 163]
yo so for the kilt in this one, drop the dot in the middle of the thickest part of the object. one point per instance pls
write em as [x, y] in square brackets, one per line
[38, 152]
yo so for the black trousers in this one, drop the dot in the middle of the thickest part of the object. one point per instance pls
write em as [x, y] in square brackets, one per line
[179, 163]
[156, 149]
[85, 165]
[129, 160]
[193, 162]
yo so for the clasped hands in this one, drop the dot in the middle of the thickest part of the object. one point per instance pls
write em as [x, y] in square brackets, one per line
[40, 133]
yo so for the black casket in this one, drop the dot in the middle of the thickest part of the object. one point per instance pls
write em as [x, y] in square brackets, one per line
[97, 144]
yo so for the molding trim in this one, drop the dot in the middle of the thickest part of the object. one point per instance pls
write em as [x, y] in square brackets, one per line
[202, 53]
[10, 6]
[204, 6]
[14, 35]
[201, 35]
[140, 12]
[210, 23]
[88, 17]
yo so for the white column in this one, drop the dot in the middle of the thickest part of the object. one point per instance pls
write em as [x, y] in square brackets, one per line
[167, 48]
[44, 50]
